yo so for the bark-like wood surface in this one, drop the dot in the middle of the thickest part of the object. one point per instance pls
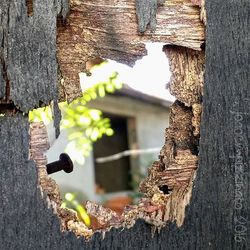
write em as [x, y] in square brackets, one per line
[187, 73]
[28, 64]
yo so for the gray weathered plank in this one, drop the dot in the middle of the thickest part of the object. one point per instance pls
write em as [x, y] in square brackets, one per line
[2, 84]
[146, 13]
[29, 51]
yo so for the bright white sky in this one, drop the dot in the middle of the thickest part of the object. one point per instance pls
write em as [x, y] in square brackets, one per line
[149, 75]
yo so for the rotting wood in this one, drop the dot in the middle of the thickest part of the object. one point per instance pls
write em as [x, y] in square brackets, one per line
[186, 83]
[187, 70]
[178, 161]
[203, 14]
[29, 5]
[182, 28]
[168, 187]
[68, 218]
[176, 167]
[196, 2]
[108, 29]
[175, 170]
[201, 4]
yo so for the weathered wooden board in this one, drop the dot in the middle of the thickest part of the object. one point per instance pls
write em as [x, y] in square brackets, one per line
[28, 52]
[218, 215]
[2, 66]
[25, 220]
[223, 183]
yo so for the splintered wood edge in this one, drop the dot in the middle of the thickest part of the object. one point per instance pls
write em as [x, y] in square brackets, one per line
[49, 189]
[109, 30]
[168, 187]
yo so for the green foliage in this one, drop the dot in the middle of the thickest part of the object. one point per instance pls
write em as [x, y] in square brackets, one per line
[41, 114]
[83, 125]
[100, 89]
[70, 201]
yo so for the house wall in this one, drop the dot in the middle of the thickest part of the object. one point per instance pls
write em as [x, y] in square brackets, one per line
[150, 122]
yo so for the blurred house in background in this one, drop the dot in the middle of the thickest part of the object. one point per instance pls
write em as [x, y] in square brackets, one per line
[139, 122]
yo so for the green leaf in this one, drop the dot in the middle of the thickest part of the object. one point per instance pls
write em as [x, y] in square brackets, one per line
[83, 125]
[109, 132]
[101, 91]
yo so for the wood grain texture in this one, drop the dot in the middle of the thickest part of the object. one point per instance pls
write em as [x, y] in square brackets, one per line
[68, 219]
[25, 220]
[57, 116]
[2, 63]
[108, 29]
[28, 51]
[225, 140]
[187, 78]
[170, 179]
[187, 73]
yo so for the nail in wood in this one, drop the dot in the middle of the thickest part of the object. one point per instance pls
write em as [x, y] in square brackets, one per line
[64, 163]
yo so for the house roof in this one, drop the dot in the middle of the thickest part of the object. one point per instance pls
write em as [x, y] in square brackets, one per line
[138, 95]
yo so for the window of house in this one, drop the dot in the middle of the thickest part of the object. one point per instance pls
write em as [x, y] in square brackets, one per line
[113, 175]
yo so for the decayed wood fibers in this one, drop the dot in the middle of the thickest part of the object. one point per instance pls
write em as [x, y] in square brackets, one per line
[168, 187]
[187, 70]
[68, 218]
[201, 4]
[108, 29]
[186, 82]
[175, 170]
[103, 29]
[170, 180]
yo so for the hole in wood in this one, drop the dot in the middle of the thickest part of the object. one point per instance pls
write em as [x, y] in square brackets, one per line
[165, 189]
[131, 123]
